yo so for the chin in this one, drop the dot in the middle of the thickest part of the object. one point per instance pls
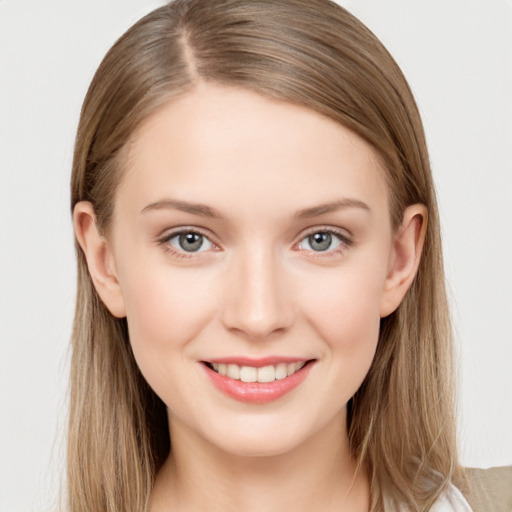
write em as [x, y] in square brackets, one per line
[260, 447]
[259, 440]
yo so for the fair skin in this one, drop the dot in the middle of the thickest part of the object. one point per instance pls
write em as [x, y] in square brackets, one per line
[290, 254]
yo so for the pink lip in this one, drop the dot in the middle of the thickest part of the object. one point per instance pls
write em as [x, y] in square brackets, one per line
[256, 392]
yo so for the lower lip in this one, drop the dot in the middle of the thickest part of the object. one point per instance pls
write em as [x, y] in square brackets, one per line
[257, 392]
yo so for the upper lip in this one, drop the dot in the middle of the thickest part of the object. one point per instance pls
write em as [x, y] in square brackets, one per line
[257, 362]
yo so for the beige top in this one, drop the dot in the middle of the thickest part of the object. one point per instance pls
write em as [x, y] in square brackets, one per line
[451, 501]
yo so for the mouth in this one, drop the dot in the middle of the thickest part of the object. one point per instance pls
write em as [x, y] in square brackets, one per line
[263, 374]
[257, 382]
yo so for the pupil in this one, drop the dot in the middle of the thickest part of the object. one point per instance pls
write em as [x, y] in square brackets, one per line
[191, 242]
[320, 241]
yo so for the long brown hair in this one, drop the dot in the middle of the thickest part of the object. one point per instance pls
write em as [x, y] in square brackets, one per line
[311, 53]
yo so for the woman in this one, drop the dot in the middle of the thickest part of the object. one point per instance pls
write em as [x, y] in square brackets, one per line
[261, 317]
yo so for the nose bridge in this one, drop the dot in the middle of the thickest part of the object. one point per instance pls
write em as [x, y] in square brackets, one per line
[258, 301]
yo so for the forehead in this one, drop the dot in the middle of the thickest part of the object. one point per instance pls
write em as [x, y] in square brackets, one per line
[235, 147]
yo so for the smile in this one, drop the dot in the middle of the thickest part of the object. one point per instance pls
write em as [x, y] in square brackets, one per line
[259, 382]
[268, 373]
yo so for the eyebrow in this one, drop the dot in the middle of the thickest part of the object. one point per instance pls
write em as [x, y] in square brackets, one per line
[184, 206]
[207, 211]
[330, 207]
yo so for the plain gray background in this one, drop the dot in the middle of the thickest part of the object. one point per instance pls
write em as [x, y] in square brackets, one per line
[457, 55]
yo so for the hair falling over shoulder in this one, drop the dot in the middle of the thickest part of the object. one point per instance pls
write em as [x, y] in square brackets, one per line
[311, 53]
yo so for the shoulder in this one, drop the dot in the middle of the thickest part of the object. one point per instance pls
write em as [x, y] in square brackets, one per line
[451, 500]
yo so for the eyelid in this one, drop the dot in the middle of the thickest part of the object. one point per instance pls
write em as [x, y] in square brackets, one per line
[344, 236]
[163, 240]
[171, 232]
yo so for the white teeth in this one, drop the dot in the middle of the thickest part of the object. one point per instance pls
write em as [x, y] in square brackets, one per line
[290, 368]
[264, 374]
[248, 374]
[233, 371]
[281, 371]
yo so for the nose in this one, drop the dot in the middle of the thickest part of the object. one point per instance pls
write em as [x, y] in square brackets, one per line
[258, 302]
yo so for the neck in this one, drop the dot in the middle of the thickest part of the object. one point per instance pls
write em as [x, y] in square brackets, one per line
[319, 474]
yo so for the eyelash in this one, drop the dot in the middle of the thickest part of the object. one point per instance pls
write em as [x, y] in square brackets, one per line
[168, 248]
[345, 242]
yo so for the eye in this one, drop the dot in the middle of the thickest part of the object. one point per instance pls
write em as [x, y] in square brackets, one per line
[323, 241]
[190, 241]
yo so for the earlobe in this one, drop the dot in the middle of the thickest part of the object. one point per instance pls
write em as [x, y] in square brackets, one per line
[405, 258]
[100, 259]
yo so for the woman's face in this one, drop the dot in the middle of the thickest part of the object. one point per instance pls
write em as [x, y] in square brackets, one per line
[250, 237]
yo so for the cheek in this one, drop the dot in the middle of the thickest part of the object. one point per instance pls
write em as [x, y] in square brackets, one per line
[346, 315]
[166, 309]
[347, 299]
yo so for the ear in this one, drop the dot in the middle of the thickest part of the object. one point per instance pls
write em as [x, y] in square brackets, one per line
[100, 259]
[405, 257]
